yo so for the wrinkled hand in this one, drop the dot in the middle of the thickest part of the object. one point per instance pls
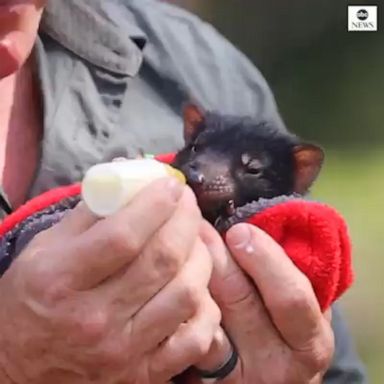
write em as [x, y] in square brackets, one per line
[272, 316]
[120, 300]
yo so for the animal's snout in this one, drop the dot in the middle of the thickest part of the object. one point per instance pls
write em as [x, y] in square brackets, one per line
[194, 175]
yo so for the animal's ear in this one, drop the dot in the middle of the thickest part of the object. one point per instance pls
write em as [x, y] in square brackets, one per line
[308, 162]
[193, 119]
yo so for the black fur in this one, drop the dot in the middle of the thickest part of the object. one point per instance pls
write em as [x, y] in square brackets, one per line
[212, 162]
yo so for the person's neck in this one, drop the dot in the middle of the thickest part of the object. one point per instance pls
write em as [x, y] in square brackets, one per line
[4, 378]
[20, 132]
[7, 92]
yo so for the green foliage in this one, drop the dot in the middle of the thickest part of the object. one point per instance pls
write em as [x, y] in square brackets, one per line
[334, 92]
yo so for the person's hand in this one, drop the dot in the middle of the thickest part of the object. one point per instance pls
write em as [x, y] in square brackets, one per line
[269, 311]
[120, 300]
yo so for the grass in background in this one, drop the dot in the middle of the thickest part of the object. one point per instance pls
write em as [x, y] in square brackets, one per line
[353, 182]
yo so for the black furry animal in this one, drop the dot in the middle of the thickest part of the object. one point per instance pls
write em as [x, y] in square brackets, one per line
[231, 161]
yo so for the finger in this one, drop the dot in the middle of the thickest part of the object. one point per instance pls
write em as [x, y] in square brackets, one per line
[74, 222]
[176, 303]
[220, 350]
[219, 353]
[188, 345]
[284, 289]
[328, 315]
[115, 241]
[192, 377]
[169, 248]
[242, 308]
[77, 220]
[161, 259]
[229, 285]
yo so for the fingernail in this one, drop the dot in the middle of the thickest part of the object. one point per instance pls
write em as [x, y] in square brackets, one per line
[175, 188]
[239, 237]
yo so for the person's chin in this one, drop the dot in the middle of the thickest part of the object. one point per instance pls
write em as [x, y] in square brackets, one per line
[13, 53]
[19, 21]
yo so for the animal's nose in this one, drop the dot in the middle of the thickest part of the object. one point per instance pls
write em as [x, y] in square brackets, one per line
[194, 176]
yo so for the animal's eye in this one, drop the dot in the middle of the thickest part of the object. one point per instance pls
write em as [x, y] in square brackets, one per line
[194, 147]
[254, 171]
[252, 166]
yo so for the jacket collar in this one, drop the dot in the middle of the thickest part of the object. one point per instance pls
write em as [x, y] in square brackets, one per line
[97, 30]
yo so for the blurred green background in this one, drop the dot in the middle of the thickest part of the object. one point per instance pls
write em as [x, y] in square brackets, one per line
[329, 85]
